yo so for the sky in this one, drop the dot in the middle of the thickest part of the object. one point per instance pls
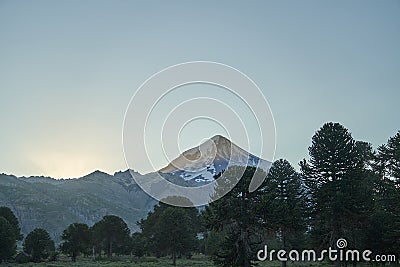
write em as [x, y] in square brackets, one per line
[68, 70]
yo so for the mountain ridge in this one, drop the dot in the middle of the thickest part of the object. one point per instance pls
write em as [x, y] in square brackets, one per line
[53, 204]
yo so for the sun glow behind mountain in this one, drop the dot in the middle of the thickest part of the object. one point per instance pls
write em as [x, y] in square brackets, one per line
[70, 153]
[64, 165]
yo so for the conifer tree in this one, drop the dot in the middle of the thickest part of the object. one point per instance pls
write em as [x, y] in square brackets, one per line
[39, 245]
[170, 230]
[340, 185]
[76, 239]
[112, 235]
[384, 233]
[285, 204]
[7, 240]
[236, 215]
[7, 213]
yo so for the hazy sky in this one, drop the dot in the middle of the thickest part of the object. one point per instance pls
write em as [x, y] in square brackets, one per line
[69, 68]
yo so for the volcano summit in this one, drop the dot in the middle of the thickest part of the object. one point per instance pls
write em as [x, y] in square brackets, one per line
[203, 162]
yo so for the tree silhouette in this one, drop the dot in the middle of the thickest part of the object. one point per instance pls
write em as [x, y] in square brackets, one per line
[112, 234]
[170, 230]
[236, 215]
[340, 186]
[7, 213]
[39, 245]
[284, 204]
[138, 244]
[383, 235]
[76, 239]
[7, 240]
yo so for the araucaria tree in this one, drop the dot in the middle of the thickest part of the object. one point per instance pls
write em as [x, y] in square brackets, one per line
[284, 204]
[111, 234]
[76, 239]
[7, 240]
[236, 215]
[39, 245]
[9, 233]
[170, 230]
[7, 214]
[138, 245]
[340, 185]
[384, 234]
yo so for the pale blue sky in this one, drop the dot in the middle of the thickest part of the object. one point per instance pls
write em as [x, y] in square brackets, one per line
[69, 68]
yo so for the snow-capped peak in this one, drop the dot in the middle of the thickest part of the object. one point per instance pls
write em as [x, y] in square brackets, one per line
[203, 162]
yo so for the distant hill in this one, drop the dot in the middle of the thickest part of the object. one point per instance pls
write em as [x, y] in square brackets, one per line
[53, 204]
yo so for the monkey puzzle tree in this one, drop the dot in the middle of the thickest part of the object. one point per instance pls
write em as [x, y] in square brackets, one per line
[284, 204]
[236, 215]
[7, 213]
[383, 233]
[170, 230]
[138, 245]
[39, 245]
[340, 185]
[76, 239]
[7, 240]
[10, 232]
[112, 234]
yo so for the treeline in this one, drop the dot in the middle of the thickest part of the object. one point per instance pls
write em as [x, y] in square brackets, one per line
[166, 231]
[108, 236]
[345, 189]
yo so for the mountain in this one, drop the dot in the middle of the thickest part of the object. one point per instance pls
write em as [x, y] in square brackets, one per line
[53, 204]
[211, 157]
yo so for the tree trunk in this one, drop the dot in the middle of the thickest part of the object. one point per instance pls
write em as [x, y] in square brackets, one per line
[283, 263]
[246, 262]
[174, 258]
[335, 237]
[110, 250]
[244, 233]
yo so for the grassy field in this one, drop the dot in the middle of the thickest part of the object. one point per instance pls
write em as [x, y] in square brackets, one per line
[196, 261]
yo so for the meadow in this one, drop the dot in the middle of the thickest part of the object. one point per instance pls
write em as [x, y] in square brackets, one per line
[124, 261]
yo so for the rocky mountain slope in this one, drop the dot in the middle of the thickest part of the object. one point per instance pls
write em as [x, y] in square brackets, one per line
[53, 204]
